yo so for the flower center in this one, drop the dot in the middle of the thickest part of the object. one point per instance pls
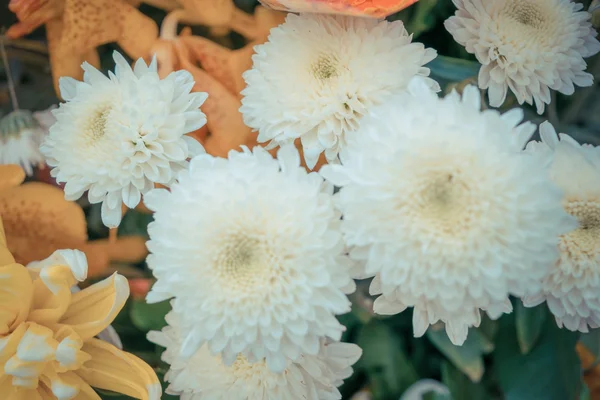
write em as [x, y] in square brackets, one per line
[442, 196]
[325, 67]
[97, 125]
[585, 240]
[243, 369]
[442, 204]
[526, 13]
[245, 263]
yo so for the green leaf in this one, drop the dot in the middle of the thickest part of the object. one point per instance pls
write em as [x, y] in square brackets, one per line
[388, 368]
[461, 387]
[585, 393]
[529, 324]
[550, 371]
[488, 327]
[149, 317]
[352, 321]
[422, 19]
[453, 69]
[469, 357]
[135, 223]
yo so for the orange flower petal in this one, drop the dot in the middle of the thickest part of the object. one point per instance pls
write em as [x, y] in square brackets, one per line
[115, 370]
[38, 220]
[368, 8]
[95, 307]
[11, 175]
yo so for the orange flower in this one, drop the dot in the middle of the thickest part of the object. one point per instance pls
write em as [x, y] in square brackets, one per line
[47, 345]
[371, 8]
[34, 212]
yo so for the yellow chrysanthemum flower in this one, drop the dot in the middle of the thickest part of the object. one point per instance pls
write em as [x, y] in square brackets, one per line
[47, 345]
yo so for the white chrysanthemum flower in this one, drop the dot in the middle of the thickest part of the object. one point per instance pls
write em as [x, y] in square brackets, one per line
[21, 134]
[319, 74]
[572, 288]
[251, 250]
[117, 136]
[205, 377]
[445, 209]
[529, 46]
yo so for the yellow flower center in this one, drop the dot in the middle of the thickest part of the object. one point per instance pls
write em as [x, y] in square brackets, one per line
[245, 263]
[583, 242]
[243, 369]
[325, 67]
[526, 12]
[97, 125]
[442, 203]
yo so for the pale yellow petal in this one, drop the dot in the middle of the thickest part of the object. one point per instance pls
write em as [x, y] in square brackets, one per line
[115, 370]
[95, 307]
[8, 345]
[68, 352]
[5, 255]
[63, 268]
[27, 394]
[35, 349]
[68, 386]
[16, 291]
[48, 308]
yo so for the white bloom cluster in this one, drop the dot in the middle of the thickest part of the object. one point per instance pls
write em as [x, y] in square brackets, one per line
[318, 75]
[572, 288]
[447, 207]
[21, 134]
[116, 136]
[444, 209]
[205, 377]
[527, 46]
[251, 251]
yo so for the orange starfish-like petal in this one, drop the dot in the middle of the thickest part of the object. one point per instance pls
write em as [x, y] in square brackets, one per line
[38, 220]
[33, 14]
[11, 175]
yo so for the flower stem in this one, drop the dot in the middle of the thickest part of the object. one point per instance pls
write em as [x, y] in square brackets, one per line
[9, 77]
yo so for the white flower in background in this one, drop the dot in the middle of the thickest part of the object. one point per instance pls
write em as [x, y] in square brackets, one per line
[21, 134]
[116, 136]
[445, 210]
[318, 75]
[205, 377]
[251, 250]
[527, 46]
[572, 288]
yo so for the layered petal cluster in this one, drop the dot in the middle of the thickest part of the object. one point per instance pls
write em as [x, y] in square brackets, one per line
[47, 345]
[117, 136]
[527, 46]
[251, 251]
[206, 377]
[445, 210]
[21, 135]
[572, 287]
[318, 75]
